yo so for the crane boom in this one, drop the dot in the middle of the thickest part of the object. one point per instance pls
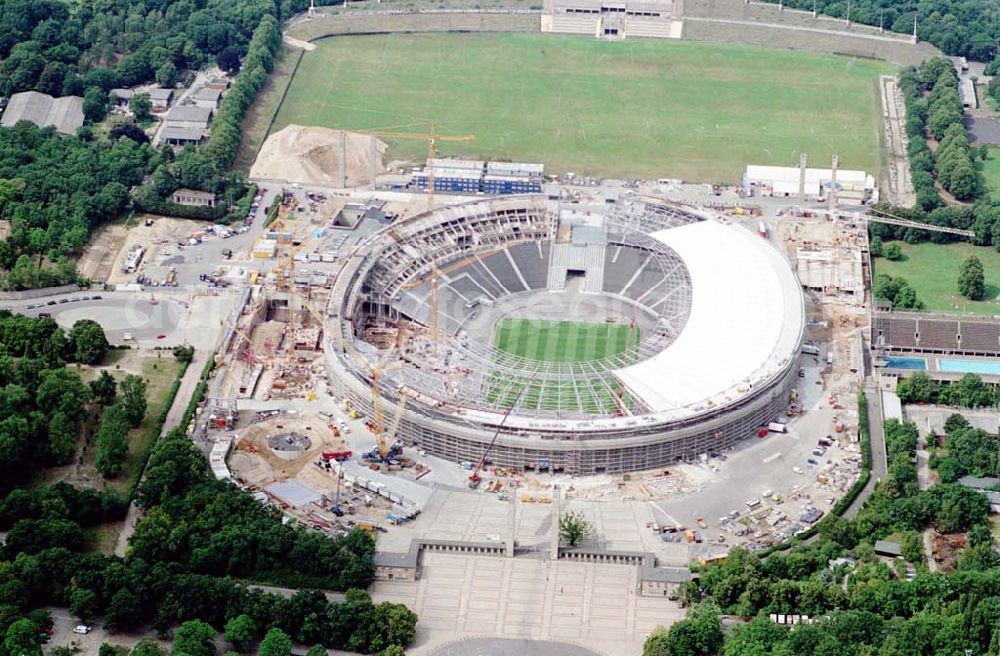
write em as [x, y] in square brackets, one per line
[474, 479]
[432, 137]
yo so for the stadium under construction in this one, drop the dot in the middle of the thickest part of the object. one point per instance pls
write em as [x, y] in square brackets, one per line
[712, 313]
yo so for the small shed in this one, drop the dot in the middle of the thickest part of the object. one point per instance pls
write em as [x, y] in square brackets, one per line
[662, 581]
[888, 549]
[193, 197]
[397, 566]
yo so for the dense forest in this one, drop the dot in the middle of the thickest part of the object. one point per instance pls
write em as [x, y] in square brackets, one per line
[859, 604]
[66, 48]
[56, 190]
[970, 28]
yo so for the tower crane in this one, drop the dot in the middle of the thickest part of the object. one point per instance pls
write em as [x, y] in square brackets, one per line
[432, 137]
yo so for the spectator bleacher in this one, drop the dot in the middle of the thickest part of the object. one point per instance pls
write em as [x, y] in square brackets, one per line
[909, 331]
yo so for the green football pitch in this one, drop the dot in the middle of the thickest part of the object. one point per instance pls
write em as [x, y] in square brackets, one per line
[644, 108]
[561, 341]
[557, 342]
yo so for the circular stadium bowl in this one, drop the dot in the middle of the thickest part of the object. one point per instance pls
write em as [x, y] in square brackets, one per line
[585, 343]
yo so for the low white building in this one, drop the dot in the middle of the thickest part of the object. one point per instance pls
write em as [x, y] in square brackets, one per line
[785, 181]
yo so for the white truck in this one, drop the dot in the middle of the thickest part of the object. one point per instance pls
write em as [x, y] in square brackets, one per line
[777, 427]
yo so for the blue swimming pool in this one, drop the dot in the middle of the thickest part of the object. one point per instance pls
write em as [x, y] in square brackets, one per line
[916, 364]
[987, 367]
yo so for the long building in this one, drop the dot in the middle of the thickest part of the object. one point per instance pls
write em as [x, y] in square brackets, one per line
[64, 114]
[473, 176]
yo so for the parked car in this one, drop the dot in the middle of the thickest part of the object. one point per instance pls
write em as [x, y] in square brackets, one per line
[82, 629]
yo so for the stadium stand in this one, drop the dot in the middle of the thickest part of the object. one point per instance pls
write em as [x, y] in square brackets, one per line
[915, 332]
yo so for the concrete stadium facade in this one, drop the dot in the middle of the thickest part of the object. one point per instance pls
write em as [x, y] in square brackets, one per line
[575, 444]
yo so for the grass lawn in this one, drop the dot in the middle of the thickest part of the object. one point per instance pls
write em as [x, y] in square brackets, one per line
[159, 374]
[636, 108]
[555, 341]
[933, 270]
[255, 123]
[561, 341]
[991, 173]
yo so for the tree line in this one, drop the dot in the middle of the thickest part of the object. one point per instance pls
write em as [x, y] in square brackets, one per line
[68, 49]
[967, 392]
[969, 28]
[933, 108]
[859, 604]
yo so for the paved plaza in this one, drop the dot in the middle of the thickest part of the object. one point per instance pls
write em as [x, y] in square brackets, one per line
[590, 604]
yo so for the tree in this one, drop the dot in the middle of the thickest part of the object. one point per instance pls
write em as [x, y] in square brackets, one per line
[391, 650]
[166, 74]
[971, 281]
[320, 650]
[141, 105]
[184, 353]
[228, 59]
[133, 389]
[240, 632]
[95, 104]
[876, 248]
[194, 638]
[83, 603]
[62, 438]
[892, 251]
[699, 634]
[147, 647]
[573, 527]
[89, 342]
[111, 445]
[23, 639]
[275, 643]
[104, 388]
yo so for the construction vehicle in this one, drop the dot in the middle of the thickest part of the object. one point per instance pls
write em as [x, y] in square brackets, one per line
[339, 456]
[475, 479]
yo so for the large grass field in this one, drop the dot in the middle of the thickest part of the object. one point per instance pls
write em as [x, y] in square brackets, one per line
[561, 341]
[991, 173]
[636, 108]
[556, 342]
[933, 269]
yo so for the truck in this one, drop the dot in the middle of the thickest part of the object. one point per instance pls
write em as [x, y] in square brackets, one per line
[777, 427]
[762, 229]
[810, 349]
[171, 279]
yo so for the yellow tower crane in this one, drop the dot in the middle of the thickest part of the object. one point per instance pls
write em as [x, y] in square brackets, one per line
[432, 137]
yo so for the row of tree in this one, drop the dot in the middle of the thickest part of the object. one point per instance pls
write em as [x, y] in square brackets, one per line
[933, 108]
[226, 132]
[970, 28]
[116, 421]
[967, 392]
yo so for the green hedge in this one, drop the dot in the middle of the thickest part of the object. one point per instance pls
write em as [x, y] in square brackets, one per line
[147, 201]
[157, 428]
[199, 392]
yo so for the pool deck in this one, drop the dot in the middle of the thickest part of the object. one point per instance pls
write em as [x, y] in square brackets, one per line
[933, 367]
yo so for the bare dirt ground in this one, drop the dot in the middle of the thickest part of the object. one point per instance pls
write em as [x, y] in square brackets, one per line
[314, 156]
[98, 259]
[255, 463]
[160, 240]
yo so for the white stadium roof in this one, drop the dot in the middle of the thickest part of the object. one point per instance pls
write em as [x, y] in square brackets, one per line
[745, 322]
